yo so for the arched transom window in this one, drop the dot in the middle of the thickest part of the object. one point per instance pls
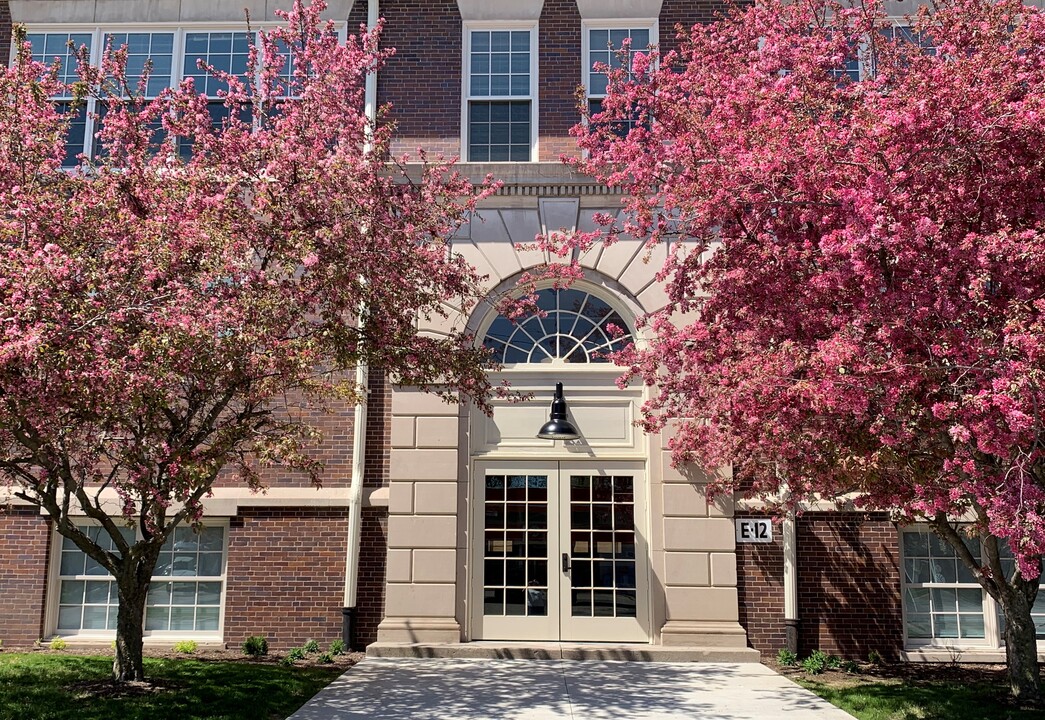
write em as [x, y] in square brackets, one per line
[576, 327]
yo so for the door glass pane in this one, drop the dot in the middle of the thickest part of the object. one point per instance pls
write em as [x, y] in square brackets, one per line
[602, 546]
[515, 552]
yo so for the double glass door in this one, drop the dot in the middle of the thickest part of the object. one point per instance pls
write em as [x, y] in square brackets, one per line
[558, 552]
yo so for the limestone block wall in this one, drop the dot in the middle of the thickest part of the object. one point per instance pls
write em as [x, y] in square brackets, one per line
[423, 544]
[693, 558]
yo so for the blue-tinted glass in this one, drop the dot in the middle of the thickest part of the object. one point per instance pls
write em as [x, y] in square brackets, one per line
[195, 47]
[162, 43]
[519, 153]
[481, 41]
[480, 63]
[240, 43]
[599, 85]
[500, 153]
[221, 63]
[480, 134]
[520, 111]
[500, 63]
[617, 38]
[239, 64]
[520, 134]
[520, 85]
[139, 43]
[220, 43]
[480, 85]
[500, 111]
[639, 39]
[520, 40]
[599, 39]
[54, 44]
[500, 41]
[499, 85]
[480, 112]
[520, 63]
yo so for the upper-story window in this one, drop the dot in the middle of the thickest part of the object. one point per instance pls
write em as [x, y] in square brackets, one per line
[573, 327]
[602, 48]
[172, 54]
[499, 88]
[62, 46]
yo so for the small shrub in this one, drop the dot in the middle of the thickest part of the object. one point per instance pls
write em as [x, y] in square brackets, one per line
[326, 658]
[295, 654]
[310, 646]
[786, 657]
[833, 662]
[816, 663]
[58, 644]
[851, 666]
[255, 646]
[874, 657]
[286, 661]
[337, 647]
[188, 647]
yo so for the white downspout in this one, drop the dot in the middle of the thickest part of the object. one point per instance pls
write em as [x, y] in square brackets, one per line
[355, 490]
[790, 583]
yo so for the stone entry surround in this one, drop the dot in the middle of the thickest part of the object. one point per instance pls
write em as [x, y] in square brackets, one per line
[693, 576]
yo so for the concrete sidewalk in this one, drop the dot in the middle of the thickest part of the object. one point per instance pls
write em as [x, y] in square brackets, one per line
[387, 689]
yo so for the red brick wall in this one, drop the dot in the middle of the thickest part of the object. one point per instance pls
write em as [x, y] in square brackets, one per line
[25, 539]
[760, 589]
[5, 31]
[286, 575]
[558, 75]
[423, 80]
[370, 594]
[686, 13]
[378, 430]
[849, 600]
[849, 584]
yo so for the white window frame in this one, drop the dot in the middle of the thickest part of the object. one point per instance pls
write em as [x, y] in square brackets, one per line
[54, 588]
[467, 28]
[650, 24]
[992, 639]
[99, 31]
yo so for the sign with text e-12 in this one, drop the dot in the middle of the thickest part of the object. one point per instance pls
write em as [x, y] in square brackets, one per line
[754, 530]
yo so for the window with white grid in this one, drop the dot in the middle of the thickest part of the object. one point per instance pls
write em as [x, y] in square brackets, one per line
[499, 86]
[185, 593]
[603, 48]
[61, 47]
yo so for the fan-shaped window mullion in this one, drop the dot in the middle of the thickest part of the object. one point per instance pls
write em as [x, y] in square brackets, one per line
[554, 340]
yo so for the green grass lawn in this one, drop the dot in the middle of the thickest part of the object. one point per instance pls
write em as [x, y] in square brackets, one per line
[39, 686]
[896, 699]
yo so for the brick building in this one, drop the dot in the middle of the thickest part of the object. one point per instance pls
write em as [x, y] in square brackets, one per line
[471, 527]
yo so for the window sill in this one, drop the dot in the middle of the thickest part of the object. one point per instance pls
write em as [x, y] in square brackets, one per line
[961, 654]
[203, 642]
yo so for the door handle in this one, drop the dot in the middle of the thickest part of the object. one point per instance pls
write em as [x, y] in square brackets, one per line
[565, 562]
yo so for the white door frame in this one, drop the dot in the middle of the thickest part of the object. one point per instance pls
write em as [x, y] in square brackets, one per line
[558, 623]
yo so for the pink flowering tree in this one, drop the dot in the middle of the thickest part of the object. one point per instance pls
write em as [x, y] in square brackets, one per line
[167, 308]
[853, 217]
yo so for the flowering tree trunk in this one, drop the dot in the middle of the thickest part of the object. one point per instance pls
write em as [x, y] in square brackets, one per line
[854, 218]
[170, 308]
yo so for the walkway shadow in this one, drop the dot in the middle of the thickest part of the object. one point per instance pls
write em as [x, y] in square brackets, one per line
[546, 690]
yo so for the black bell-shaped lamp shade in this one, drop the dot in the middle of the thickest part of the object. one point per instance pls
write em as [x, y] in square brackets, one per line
[558, 427]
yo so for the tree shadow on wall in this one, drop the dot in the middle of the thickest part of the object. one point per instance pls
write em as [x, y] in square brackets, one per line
[849, 588]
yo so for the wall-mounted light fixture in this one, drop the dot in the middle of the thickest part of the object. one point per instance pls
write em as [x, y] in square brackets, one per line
[558, 427]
